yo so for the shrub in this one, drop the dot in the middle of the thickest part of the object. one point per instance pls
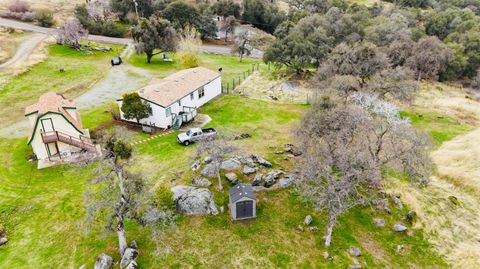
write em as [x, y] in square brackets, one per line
[189, 47]
[19, 7]
[164, 197]
[122, 149]
[45, 19]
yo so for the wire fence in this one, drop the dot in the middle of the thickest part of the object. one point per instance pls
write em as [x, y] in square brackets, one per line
[229, 86]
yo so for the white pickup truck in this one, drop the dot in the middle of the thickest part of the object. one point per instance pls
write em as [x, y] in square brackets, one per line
[195, 134]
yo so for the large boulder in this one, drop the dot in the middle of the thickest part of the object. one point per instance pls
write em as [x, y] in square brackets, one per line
[271, 178]
[103, 262]
[230, 165]
[194, 201]
[232, 178]
[129, 255]
[201, 182]
[246, 160]
[257, 180]
[261, 161]
[286, 181]
[247, 170]
[209, 170]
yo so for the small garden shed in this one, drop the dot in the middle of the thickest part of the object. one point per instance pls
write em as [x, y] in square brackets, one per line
[242, 202]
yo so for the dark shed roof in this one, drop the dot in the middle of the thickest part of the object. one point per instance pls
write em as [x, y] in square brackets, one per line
[239, 191]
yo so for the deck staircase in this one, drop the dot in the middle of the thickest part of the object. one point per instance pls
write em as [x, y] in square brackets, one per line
[79, 142]
[177, 121]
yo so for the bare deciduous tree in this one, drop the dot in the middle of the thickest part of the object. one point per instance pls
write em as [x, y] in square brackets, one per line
[242, 45]
[398, 83]
[216, 149]
[71, 33]
[345, 148]
[119, 195]
[430, 57]
[228, 26]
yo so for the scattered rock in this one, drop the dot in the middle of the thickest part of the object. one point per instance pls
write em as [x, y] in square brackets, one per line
[399, 227]
[454, 200]
[242, 136]
[396, 200]
[271, 177]
[209, 170]
[195, 166]
[257, 180]
[246, 160]
[356, 266]
[232, 178]
[222, 209]
[103, 262]
[201, 182]
[230, 165]
[326, 255]
[354, 251]
[247, 170]
[133, 244]
[82, 267]
[382, 204]
[129, 255]
[207, 159]
[261, 161]
[194, 201]
[132, 265]
[286, 181]
[400, 248]
[411, 216]
[290, 148]
[313, 229]
[379, 222]
[308, 219]
[300, 228]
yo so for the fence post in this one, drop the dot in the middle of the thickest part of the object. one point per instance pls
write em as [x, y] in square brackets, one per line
[233, 86]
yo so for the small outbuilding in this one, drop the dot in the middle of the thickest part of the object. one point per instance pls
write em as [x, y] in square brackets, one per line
[243, 203]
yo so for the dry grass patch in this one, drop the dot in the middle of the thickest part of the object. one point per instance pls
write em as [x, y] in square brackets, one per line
[9, 42]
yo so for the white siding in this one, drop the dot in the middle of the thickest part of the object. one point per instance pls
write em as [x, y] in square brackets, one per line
[60, 124]
[159, 118]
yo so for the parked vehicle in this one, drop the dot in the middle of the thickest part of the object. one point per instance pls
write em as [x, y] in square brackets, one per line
[194, 135]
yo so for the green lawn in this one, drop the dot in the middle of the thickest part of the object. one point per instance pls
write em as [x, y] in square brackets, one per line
[81, 72]
[232, 67]
[43, 209]
[441, 128]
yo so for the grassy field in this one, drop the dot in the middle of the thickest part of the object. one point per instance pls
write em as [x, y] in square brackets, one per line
[81, 71]
[232, 67]
[40, 208]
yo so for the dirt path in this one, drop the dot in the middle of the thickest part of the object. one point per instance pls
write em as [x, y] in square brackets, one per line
[23, 51]
[121, 79]
[111, 40]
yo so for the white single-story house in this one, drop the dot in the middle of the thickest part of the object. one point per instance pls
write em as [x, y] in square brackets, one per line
[242, 202]
[180, 93]
[56, 128]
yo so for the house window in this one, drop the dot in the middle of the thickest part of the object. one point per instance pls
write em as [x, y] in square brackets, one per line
[168, 112]
[191, 96]
[201, 92]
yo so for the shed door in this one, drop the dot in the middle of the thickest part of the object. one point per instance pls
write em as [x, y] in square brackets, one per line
[244, 209]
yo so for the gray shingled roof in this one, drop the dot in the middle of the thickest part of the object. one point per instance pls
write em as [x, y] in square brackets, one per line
[239, 191]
